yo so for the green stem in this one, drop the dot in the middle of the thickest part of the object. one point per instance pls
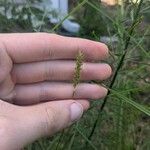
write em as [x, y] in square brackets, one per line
[72, 12]
[121, 62]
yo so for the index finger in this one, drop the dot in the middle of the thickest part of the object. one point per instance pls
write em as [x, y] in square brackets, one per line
[31, 47]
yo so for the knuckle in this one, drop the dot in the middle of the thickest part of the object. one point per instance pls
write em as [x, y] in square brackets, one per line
[43, 94]
[49, 72]
[47, 52]
[50, 120]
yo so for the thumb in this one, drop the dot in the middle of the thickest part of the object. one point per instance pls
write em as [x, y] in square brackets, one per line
[48, 118]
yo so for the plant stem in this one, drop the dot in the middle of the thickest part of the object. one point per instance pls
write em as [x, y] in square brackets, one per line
[73, 11]
[121, 62]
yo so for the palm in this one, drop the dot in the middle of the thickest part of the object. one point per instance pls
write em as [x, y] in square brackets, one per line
[39, 67]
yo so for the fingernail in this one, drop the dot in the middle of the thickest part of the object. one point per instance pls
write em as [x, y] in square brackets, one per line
[76, 111]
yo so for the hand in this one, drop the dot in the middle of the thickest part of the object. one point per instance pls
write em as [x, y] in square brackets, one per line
[36, 68]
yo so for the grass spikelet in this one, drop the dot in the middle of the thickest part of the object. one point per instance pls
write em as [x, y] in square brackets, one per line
[78, 67]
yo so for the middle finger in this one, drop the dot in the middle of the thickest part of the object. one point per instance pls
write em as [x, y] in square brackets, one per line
[58, 71]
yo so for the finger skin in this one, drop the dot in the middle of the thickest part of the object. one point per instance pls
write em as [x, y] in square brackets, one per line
[6, 89]
[42, 92]
[5, 63]
[58, 71]
[20, 126]
[32, 47]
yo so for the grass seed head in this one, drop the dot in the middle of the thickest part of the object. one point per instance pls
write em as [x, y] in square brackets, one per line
[78, 67]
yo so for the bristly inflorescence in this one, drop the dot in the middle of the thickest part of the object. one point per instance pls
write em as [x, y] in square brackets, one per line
[78, 67]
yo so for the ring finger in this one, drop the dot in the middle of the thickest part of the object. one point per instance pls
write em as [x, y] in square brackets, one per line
[45, 91]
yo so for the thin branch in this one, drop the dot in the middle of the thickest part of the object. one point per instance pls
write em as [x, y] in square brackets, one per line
[121, 62]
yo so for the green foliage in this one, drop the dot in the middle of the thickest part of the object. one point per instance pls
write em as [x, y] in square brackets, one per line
[23, 17]
[92, 21]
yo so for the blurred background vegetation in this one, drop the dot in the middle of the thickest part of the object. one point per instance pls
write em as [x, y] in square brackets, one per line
[124, 121]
